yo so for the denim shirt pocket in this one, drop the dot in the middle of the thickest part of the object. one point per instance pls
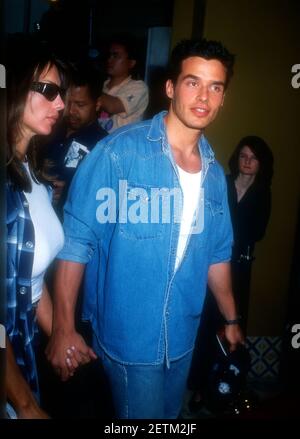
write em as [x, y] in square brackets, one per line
[212, 211]
[140, 215]
[215, 207]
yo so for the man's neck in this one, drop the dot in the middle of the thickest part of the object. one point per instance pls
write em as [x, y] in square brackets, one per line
[71, 130]
[184, 143]
[113, 81]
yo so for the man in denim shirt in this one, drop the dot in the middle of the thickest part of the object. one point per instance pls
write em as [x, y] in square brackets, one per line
[148, 257]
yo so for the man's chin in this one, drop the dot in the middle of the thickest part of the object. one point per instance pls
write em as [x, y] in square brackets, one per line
[73, 126]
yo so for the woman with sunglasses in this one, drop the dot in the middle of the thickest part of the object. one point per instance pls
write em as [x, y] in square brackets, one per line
[34, 233]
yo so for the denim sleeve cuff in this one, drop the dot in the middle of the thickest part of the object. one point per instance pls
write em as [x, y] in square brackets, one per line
[217, 259]
[75, 251]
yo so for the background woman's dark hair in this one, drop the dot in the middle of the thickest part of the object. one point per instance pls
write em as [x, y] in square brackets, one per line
[26, 59]
[262, 152]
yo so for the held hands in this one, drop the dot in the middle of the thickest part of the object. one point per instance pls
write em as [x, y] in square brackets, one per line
[66, 351]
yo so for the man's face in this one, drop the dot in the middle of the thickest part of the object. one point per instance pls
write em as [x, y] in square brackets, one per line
[118, 63]
[81, 108]
[198, 93]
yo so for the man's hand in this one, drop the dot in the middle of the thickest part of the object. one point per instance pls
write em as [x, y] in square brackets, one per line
[234, 336]
[66, 351]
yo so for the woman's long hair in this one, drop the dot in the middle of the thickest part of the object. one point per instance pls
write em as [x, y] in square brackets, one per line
[28, 60]
[263, 154]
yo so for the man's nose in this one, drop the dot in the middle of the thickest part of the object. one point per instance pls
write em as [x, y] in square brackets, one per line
[71, 108]
[203, 94]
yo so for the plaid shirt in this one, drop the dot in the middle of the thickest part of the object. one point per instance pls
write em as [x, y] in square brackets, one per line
[20, 320]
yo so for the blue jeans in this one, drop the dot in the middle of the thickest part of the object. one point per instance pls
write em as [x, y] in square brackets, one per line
[147, 392]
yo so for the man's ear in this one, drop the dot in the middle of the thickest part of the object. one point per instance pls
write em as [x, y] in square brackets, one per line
[132, 63]
[169, 89]
[98, 104]
[223, 98]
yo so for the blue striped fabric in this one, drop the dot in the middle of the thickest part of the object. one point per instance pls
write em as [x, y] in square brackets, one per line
[21, 324]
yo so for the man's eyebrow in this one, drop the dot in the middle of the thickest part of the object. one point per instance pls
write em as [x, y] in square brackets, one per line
[219, 83]
[190, 76]
[196, 78]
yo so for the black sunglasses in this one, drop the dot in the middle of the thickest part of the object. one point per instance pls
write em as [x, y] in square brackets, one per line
[50, 91]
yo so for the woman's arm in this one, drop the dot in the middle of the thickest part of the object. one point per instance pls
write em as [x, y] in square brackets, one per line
[44, 312]
[18, 391]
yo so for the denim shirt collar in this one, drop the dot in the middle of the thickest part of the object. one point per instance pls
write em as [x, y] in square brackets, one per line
[157, 132]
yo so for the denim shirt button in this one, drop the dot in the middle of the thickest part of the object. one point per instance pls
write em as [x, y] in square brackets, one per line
[29, 244]
[23, 290]
[25, 203]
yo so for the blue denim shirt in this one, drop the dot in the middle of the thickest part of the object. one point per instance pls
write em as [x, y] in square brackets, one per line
[143, 311]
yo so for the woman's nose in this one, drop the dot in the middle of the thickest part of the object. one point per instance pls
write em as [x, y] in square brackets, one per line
[59, 103]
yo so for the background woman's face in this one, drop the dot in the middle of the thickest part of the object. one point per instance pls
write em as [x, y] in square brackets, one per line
[248, 162]
[41, 114]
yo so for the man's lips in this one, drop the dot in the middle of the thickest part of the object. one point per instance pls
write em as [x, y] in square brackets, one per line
[200, 111]
[72, 120]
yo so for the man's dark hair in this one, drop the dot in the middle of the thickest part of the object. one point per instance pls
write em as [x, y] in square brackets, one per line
[134, 50]
[207, 49]
[129, 43]
[85, 75]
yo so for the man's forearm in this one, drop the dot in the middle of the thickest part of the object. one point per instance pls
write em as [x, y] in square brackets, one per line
[66, 287]
[219, 281]
[111, 104]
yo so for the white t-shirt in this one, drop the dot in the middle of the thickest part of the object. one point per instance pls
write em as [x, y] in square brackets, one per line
[48, 233]
[134, 96]
[190, 185]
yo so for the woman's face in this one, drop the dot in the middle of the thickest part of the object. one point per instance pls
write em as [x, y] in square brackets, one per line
[40, 114]
[248, 162]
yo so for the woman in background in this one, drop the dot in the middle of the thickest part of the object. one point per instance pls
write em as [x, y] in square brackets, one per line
[34, 234]
[249, 196]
